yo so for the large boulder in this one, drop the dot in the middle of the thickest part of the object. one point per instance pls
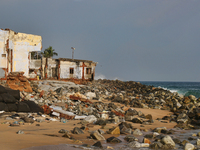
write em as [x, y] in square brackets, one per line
[2, 89]
[12, 107]
[7, 98]
[3, 106]
[23, 107]
[34, 107]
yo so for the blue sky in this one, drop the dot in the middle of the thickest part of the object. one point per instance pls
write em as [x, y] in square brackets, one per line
[139, 40]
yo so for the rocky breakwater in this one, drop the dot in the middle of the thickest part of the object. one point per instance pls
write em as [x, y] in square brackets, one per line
[104, 102]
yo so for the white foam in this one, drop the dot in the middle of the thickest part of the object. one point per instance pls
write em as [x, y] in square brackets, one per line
[99, 76]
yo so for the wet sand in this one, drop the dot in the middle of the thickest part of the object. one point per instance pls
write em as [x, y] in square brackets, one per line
[47, 132]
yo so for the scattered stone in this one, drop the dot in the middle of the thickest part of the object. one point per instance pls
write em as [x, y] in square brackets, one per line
[145, 140]
[137, 132]
[189, 146]
[77, 130]
[91, 119]
[97, 136]
[115, 130]
[98, 144]
[168, 140]
[134, 144]
[130, 138]
[67, 135]
[156, 145]
[20, 132]
[198, 142]
[63, 131]
[113, 140]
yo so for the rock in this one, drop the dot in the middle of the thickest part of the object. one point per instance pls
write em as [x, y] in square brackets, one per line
[134, 144]
[131, 112]
[150, 136]
[168, 140]
[156, 145]
[27, 97]
[7, 98]
[177, 141]
[130, 138]
[23, 107]
[160, 129]
[28, 120]
[137, 132]
[192, 97]
[90, 95]
[113, 140]
[101, 122]
[20, 132]
[198, 134]
[77, 130]
[145, 140]
[67, 135]
[97, 136]
[101, 131]
[184, 142]
[198, 142]
[189, 146]
[144, 144]
[137, 120]
[98, 144]
[91, 119]
[115, 130]
[149, 116]
[63, 131]
[109, 147]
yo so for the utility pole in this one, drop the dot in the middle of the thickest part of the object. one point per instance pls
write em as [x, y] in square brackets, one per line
[72, 52]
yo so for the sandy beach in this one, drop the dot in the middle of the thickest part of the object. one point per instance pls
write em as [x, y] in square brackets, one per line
[46, 133]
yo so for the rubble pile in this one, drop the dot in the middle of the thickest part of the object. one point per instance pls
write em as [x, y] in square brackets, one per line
[67, 100]
[17, 81]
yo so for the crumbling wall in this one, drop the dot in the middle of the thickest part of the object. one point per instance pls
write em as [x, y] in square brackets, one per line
[65, 70]
[35, 64]
[22, 44]
[3, 42]
[92, 73]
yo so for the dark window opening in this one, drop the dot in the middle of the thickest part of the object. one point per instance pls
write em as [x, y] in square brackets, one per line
[88, 70]
[71, 70]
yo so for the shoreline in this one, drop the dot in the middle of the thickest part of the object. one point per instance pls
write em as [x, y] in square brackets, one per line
[47, 133]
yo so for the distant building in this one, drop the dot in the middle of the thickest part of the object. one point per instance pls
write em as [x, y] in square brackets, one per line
[64, 68]
[15, 51]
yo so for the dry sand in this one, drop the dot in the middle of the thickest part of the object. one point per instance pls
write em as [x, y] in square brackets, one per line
[47, 132]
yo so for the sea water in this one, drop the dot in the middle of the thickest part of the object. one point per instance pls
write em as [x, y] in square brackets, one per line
[183, 88]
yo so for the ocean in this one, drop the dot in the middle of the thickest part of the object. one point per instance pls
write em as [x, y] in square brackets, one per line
[183, 88]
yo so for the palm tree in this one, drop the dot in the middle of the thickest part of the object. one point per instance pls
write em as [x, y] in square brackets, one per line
[49, 52]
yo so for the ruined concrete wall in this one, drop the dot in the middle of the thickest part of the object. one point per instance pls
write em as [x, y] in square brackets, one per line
[22, 44]
[92, 66]
[65, 70]
[3, 54]
[35, 63]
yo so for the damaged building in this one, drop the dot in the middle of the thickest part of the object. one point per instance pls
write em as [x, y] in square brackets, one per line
[64, 68]
[16, 51]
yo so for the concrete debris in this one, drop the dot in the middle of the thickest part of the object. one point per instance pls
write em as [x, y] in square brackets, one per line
[62, 101]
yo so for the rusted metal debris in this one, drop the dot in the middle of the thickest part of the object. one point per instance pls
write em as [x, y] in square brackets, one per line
[81, 99]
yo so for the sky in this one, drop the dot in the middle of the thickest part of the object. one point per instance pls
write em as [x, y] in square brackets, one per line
[132, 40]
